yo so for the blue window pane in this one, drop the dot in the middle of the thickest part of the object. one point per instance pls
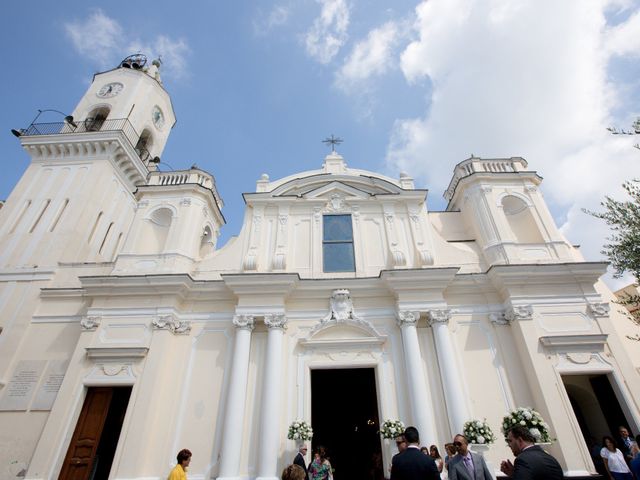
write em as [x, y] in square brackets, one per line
[338, 257]
[337, 228]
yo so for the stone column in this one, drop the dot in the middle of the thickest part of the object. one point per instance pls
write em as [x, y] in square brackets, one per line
[271, 395]
[419, 395]
[449, 371]
[237, 392]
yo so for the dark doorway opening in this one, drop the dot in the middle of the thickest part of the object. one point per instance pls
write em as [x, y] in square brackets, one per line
[344, 416]
[96, 436]
[597, 409]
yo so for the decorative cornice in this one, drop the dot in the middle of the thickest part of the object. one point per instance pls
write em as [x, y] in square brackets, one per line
[519, 312]
[591, 341]
[598, 309]
[90, 322]
[442, 315]
[172, 323]
[275, 321]
[407, 317]
[244, 321]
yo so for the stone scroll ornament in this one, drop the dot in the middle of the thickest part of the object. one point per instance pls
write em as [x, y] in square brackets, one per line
[172, 323]
[341, 311]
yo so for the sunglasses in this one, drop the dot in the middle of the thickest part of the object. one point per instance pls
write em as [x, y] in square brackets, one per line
[457, 444]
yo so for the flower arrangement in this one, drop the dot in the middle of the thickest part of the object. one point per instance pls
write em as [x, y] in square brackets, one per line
[478, 432]
[391, 429]
[300, 430]
[527, 417]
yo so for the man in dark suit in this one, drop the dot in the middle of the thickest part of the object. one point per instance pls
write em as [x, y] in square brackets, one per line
[467, 465]
[624, 443]
[299, 460]
[412, 464]
[532, 463]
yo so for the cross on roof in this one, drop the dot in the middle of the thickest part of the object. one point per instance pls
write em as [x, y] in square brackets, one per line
[333, 141]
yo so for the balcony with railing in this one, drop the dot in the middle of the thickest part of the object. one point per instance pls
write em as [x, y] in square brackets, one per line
[194, 176]
[90, 125]
[480, 165]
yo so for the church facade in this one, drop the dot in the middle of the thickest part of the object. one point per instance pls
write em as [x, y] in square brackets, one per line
[129, 334]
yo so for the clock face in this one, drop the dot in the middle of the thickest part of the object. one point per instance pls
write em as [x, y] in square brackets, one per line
[157, 117]
[110, 90]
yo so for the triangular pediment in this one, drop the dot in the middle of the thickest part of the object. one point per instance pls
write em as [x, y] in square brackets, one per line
[333, 188]
[358, 185]
[340, 334]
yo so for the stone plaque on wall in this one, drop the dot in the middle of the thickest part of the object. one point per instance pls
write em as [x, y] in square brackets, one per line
[48, 391]
[20, 389]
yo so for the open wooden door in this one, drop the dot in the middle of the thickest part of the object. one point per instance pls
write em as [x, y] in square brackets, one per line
[84, 444]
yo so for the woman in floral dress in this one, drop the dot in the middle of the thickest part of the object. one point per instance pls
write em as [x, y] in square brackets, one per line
[320, 468]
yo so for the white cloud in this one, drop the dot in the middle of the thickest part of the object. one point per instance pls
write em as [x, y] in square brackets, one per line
[524, 79]
[173, 53]
[372, 56]
[329, 31]
[97, 37]
[103, 41]
[623, 39]
[277, 16]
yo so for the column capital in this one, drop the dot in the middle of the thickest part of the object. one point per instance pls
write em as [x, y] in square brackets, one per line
[90, 322]
[275, 321]
[518, 312]
[499, 318]
[244, 321]
[169, 321]
[439, 315]
[407, 317]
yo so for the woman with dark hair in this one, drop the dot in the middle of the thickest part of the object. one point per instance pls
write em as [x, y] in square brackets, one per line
[320, 468]
[614, 460]
[435, 454]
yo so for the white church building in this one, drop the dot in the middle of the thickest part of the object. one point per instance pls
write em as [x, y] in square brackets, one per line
[128, 334]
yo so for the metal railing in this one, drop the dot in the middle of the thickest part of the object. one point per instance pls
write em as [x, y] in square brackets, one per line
[90, 125]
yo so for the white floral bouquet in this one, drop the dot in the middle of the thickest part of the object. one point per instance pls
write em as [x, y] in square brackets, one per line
[300, 430]
[478, 432]
[391, 429]
[527, 417]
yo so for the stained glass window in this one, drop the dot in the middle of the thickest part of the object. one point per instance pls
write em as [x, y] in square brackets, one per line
[337, 244]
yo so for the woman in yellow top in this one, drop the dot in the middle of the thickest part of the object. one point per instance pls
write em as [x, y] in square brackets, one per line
[179, 472]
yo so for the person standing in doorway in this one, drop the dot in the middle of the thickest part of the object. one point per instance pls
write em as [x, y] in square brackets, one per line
[401, 444]
[614, 460]
[624, 442]
[320, 468]
[467, 465]
[532, 463]
[179, 472]
[413, 464]
[299, 460]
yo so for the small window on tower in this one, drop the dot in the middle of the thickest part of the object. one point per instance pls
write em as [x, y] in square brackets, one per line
[337, 244]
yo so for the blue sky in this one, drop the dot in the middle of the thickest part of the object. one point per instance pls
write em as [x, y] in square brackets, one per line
[410, 85]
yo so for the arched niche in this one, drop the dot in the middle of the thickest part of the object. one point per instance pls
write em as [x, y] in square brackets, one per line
[520, 220]
[155, 231]
[96, 118]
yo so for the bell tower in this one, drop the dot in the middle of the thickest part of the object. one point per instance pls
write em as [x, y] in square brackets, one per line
[131, 95]
[75, 202]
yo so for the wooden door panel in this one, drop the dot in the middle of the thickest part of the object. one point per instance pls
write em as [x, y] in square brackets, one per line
[84, 443]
